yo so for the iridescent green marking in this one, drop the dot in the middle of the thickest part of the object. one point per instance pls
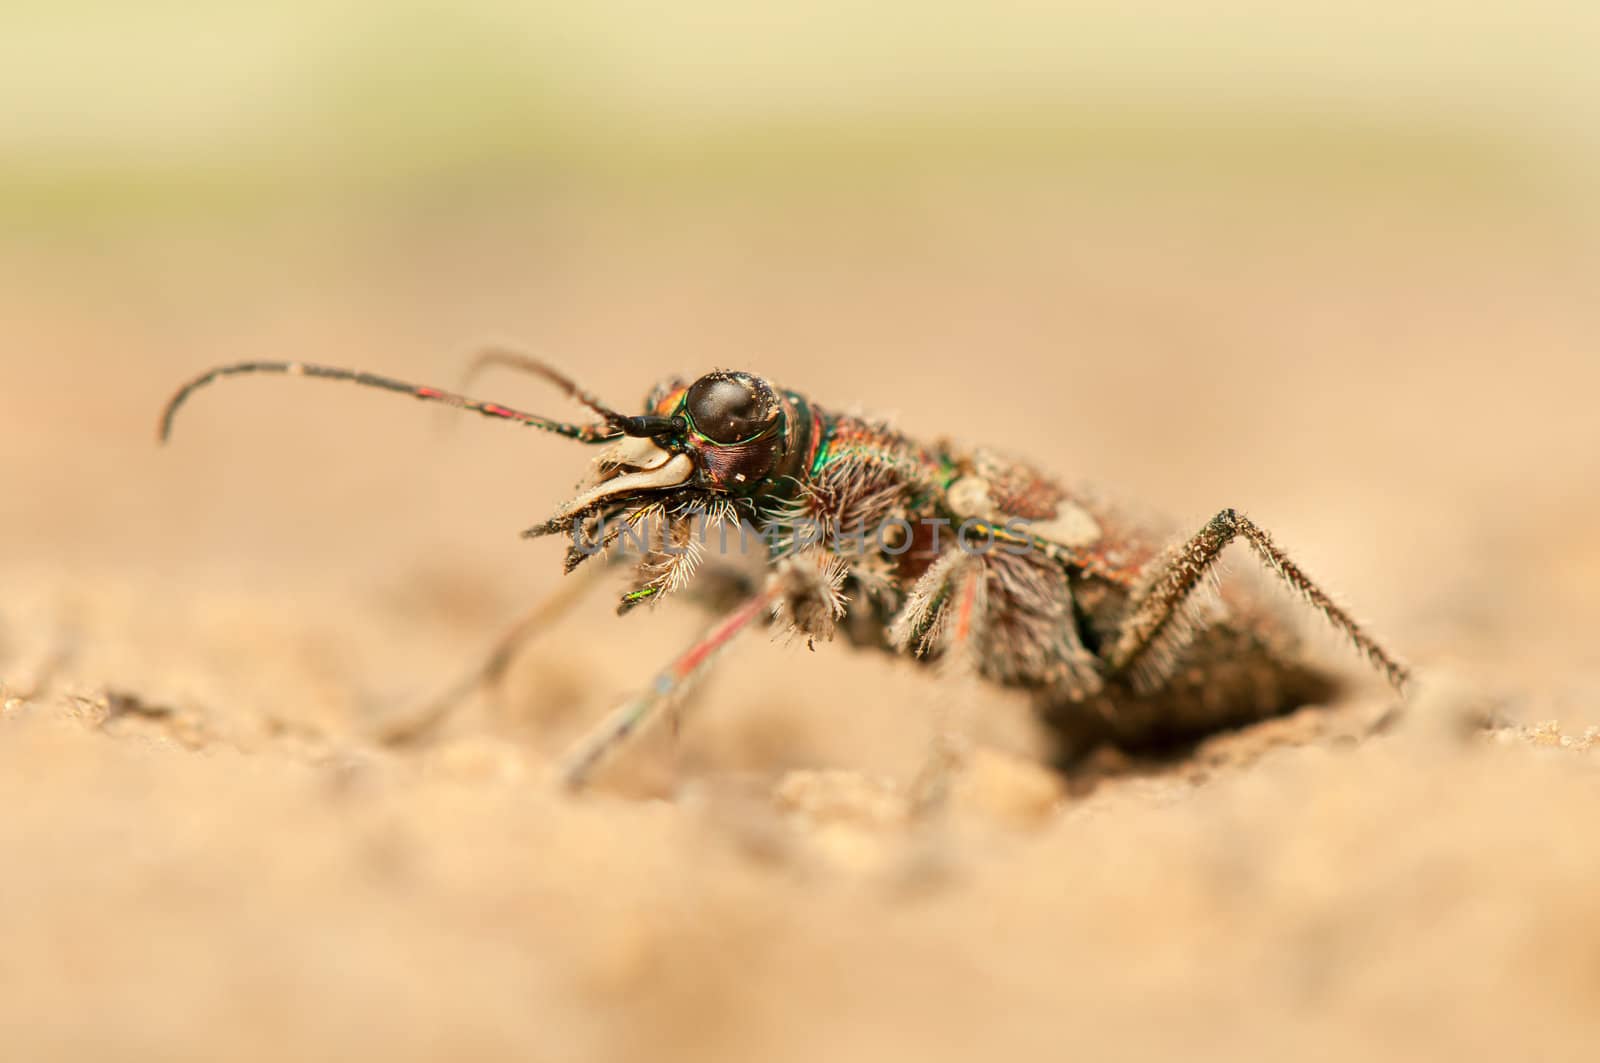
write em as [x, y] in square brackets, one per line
[1057, 552]
[643, 594]
[828, 454]
[824, 449]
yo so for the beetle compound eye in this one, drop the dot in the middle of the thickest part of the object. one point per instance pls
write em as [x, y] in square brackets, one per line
[730, 407]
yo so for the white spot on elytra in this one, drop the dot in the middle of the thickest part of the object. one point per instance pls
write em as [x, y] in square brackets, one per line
[1072, 526]
[969, 497]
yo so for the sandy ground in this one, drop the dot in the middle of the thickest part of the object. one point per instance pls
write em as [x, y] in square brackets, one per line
[205, 856]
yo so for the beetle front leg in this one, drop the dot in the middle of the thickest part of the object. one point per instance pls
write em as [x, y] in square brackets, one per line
[1156, 629]
[667, 686]
[417, 724]
[801, 593]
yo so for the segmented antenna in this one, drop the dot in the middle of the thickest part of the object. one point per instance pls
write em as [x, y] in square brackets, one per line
[506, 358]
[616, 424]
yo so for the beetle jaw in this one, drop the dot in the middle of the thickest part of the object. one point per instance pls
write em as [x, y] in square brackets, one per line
[630, 467]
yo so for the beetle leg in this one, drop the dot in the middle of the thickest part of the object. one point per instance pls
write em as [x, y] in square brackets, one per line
[667, 686]
[1159, 624]
[919, 627]
[417, 724]
[957, 630]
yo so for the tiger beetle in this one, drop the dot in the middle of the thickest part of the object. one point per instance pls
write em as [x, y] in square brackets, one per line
[945, 553]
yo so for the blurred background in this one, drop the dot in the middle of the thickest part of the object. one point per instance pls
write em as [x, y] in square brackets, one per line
[1332, 265]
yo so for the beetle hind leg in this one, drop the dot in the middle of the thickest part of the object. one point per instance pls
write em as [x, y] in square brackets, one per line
[1164, 618]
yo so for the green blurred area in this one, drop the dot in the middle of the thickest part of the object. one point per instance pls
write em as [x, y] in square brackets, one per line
[171, 110]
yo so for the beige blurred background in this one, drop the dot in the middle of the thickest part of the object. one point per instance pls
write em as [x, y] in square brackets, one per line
[1333, 266]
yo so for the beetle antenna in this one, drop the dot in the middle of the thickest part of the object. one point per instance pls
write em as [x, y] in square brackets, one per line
[593, 433]
[505, 358]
